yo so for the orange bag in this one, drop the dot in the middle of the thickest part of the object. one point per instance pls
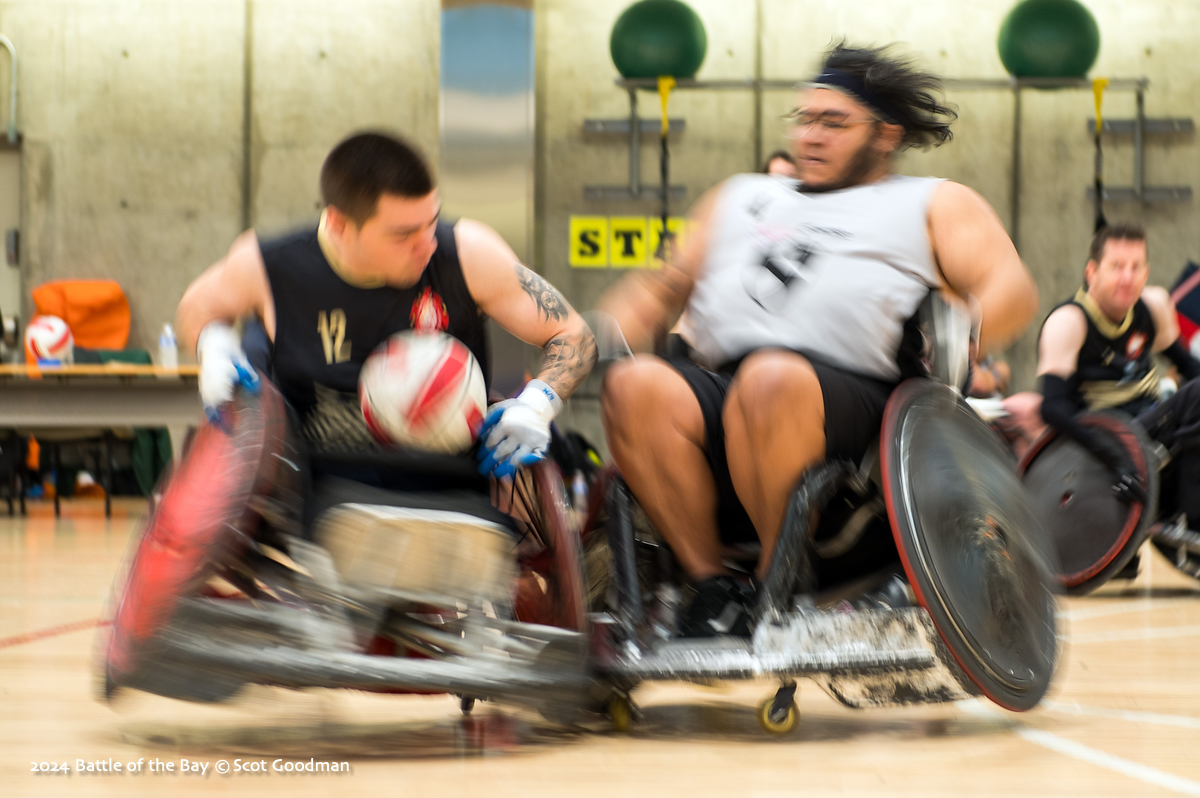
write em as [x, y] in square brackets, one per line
[96, 310]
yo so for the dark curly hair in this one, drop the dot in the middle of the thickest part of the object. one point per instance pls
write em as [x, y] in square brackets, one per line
[909, 92]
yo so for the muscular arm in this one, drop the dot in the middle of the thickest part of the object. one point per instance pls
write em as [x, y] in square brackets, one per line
[1062, 338]
[647, 303]
[522, 302]
[232, 289]
[1058, 359]
[978, 259]
[1166, 337]
[1166, 324]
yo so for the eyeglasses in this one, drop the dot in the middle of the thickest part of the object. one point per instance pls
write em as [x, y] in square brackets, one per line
[800, 123]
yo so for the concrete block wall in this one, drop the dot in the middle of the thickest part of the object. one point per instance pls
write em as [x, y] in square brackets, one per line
[1151, 38]
[132, 117]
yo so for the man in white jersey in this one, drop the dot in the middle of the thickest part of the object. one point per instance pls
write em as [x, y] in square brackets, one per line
[795, 299]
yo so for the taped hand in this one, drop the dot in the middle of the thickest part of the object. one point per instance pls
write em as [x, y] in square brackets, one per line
[516, 432]
[223, 366]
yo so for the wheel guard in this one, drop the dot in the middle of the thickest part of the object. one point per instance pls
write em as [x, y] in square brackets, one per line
[971, 543]
[1093, 534]
[200, 521]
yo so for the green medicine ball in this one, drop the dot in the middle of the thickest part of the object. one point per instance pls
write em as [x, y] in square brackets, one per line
[1049, 39]
[653, 38]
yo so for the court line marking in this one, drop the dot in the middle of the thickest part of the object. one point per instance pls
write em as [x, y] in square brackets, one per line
[1155, 718]
[25, 601]
[1093, 756]
[1144, 633]
[53, 631]
[1143, 605]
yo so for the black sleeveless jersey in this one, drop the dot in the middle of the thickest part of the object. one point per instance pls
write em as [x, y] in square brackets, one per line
[1116, 367]
[325, 328]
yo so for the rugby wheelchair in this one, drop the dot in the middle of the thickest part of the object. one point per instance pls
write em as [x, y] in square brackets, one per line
[1094, 535]
[939, 495]
[251, 572]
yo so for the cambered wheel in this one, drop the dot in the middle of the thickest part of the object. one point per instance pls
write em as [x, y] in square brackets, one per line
[1094, 534]
[551, 560]
[201, 523]
[971, 542]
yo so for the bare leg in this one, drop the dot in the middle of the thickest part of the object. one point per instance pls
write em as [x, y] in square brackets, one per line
[774, 430]
[655, 432]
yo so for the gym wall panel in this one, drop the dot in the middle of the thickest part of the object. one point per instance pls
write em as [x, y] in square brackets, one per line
[132, 117]
[574, 82]
[131, 153]
[325, 70]
[1151, 38]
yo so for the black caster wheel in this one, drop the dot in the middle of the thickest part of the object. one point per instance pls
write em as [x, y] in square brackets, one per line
[467, 704]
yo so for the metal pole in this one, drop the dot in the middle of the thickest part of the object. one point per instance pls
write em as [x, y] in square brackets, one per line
[247, 118]
[758, 92]
[1014, 212]
[635, 141]
[12, 111]
[1139, 147]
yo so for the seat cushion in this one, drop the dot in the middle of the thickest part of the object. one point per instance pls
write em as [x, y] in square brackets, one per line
[331, 491]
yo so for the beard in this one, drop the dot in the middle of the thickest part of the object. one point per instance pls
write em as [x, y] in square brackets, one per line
[864, 161]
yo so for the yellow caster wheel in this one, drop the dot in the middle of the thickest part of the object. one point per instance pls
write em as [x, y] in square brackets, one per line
[620, 713]
[778, 719]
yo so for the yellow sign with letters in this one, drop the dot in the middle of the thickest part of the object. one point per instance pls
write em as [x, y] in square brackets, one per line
[675, 225]
[589, 241]
[623, 242]
[627, 241]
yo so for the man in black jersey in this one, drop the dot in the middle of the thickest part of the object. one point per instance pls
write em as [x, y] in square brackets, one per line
[1095, 352]
[381, 262]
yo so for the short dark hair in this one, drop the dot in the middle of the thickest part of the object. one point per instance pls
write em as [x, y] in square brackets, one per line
[361, 168]
[909, 92]
[775, 156]
[1118, 231]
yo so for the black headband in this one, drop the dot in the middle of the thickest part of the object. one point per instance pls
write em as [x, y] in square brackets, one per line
[856, 87]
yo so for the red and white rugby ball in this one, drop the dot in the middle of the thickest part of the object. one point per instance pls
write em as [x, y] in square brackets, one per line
[49, 338]
[425, 390]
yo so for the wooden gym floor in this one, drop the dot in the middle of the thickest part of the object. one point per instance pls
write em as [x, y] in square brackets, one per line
[1123, 718]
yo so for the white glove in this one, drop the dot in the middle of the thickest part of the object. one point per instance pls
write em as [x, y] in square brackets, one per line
[223, 365]
[516, 432]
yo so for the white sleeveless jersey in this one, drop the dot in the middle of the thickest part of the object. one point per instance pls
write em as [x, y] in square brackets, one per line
[834, 274]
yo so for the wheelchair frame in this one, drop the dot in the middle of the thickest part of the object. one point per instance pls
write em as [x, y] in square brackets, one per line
[863, 658]
[295, 625]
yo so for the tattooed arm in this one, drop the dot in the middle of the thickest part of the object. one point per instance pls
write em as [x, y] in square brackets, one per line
[647, 303]
[522, 302]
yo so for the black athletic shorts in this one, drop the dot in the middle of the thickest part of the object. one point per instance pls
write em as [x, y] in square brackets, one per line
[853, 415]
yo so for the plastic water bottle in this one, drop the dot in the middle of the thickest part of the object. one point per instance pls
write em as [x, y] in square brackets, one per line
[168, 349]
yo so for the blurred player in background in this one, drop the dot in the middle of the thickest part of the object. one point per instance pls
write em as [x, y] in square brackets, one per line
[779, 163]
[1096, 352]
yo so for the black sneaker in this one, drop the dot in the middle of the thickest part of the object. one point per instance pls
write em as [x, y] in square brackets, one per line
[894, 595]
[721, 606]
